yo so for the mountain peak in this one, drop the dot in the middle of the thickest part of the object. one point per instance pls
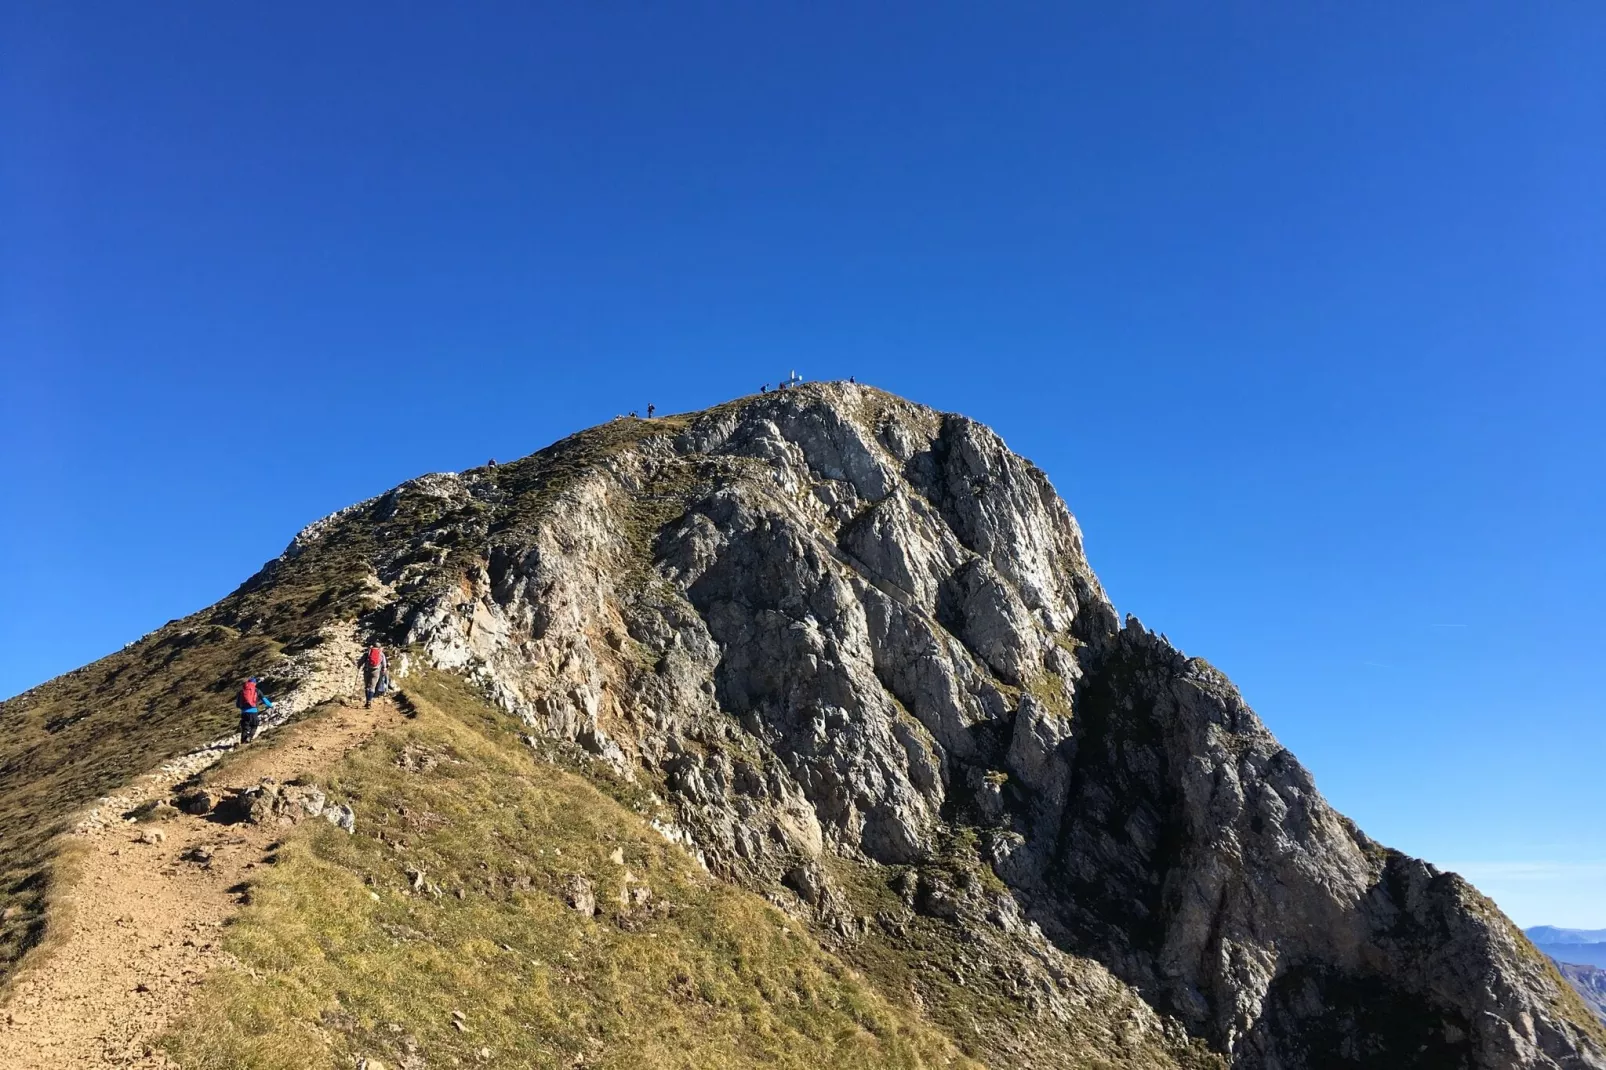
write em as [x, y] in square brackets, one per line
[849, 651]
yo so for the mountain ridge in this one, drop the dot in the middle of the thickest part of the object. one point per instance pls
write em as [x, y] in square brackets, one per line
[855, 649]
[1549, 934]
[1581, 947]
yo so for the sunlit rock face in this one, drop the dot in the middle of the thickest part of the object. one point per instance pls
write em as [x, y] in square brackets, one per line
[854, 643]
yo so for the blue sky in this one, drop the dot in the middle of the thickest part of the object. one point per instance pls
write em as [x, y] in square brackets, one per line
[1300, 305]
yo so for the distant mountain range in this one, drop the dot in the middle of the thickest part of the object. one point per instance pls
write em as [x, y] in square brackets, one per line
[1583, 947]
[1549, 934]
[1590, 982]
[1581, 956]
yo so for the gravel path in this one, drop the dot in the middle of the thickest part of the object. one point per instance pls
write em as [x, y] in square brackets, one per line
[143, 916]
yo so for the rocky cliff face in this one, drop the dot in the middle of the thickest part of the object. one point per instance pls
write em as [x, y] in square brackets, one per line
[855, 652]
[1590, 981]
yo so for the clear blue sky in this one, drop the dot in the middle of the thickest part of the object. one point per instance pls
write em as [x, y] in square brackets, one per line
[1302, 306]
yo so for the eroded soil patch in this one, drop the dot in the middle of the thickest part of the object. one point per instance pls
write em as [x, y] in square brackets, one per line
[142, 919]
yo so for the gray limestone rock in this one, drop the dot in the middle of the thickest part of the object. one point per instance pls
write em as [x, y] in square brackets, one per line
[581, 895]
[830, 626]
[285, 804]
[197, 803]
[341, 817]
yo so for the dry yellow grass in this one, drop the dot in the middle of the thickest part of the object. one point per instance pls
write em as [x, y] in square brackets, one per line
[341, 957]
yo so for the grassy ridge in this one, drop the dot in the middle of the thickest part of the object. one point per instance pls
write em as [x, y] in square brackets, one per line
[87, 733]
[345, 952]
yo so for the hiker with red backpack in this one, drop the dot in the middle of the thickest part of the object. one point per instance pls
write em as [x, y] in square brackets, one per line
[375, 674]
[251, 703]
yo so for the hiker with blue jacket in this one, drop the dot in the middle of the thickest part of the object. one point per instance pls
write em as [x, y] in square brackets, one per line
[251, 703]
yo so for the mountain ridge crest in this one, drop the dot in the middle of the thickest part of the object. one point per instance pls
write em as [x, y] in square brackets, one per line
[855, 647]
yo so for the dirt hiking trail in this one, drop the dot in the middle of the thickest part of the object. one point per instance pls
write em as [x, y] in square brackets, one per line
[141, 922]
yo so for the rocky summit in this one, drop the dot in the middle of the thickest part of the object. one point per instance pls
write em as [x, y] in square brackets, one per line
[847, 654]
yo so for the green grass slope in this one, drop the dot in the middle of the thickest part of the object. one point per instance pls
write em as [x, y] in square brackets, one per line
[346, 952]
[86, 733]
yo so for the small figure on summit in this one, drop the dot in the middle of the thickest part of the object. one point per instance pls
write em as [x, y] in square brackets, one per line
[375, 674]
[650, 410]
[251, 703]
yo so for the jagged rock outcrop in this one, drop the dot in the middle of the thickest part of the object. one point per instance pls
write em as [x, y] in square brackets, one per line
[857, 650]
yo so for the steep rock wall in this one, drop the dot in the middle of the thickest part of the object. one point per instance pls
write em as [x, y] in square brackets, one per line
[839, 630]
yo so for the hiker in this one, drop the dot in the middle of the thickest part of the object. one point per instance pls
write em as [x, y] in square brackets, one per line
[251, 703]
[765, 389]
[374, 673]
[650, 410]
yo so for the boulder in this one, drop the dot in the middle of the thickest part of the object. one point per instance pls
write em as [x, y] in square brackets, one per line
[580, 894]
